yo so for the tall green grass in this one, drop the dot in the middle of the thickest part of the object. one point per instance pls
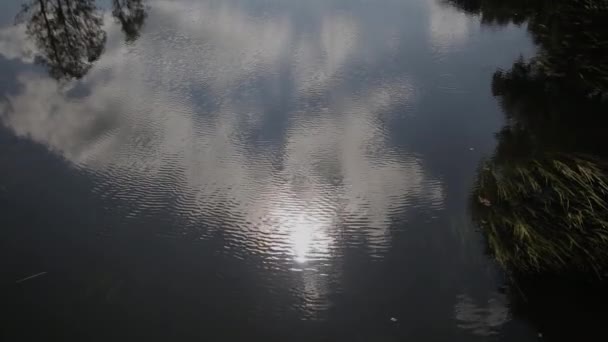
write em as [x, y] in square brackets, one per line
[544, 214]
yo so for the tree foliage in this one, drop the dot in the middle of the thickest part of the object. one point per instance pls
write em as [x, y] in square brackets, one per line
[67, 33]
[572, 37]
[69, 36]
[131, 15]
[542, 198]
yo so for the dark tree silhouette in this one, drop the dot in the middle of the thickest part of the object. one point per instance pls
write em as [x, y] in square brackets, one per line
[572, 37]
[542, 199]
[496, 12]
[67, 33]
[131, 15]
[541, 202]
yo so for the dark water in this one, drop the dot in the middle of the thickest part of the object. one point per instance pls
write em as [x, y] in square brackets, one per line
[249, 170]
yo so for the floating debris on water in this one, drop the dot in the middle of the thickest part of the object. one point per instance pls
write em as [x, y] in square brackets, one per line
[31, 277]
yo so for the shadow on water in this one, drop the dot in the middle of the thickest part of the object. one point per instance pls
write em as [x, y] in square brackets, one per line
[69, 36]
[541, 200]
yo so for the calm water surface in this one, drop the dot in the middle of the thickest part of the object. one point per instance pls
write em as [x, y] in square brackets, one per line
[248, 170]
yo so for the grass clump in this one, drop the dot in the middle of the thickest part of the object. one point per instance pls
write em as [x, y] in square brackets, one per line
[545, 214]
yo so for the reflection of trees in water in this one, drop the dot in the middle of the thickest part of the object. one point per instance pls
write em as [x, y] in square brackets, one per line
[550, 118]
[572, 36]
[131, 14]
[542, 199]
[69, 34]
[496, 12]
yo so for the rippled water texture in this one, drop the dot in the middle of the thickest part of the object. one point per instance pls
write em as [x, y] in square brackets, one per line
[254, 169]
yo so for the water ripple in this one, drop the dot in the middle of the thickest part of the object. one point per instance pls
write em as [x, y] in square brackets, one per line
[224, 126]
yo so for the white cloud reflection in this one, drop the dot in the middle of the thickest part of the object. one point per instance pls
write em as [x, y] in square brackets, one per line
[171, 111]
[14, 45]
[449, 28]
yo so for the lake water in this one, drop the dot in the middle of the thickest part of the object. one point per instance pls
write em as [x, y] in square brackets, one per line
[254, 170]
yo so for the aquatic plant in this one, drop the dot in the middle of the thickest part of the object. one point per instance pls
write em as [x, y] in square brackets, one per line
[544, 213]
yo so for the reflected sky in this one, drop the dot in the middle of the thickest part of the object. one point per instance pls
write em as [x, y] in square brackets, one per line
[210, 121]
[299, 131]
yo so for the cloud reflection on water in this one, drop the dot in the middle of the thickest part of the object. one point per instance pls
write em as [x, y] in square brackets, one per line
[191, 109]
